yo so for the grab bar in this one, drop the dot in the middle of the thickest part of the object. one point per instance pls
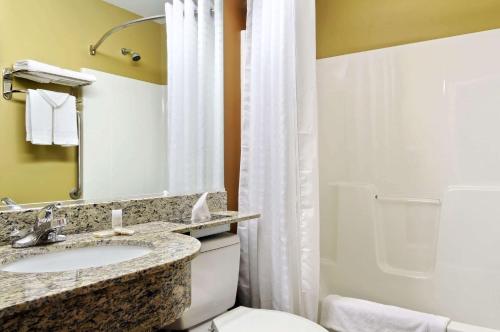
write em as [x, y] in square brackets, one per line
[408, 199]
[76, 192]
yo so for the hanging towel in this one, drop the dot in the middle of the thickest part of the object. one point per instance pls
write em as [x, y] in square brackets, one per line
[32, 65]
[64, 125]
[343, 314]
[38, 119]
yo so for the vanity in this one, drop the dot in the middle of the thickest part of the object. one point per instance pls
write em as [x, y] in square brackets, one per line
[119, 283]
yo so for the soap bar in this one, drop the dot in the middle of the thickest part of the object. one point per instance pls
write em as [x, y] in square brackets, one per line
[106, 233]
[123, 231]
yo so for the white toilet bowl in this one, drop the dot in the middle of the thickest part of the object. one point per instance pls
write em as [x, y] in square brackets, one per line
[244, 319]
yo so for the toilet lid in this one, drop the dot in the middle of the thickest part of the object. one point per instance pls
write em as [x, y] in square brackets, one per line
[244, 319]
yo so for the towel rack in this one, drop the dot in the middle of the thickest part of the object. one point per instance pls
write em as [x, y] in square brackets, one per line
[7, 90]
[8, 75]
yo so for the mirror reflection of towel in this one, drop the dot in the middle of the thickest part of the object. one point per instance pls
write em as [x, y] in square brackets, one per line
[51, 118]
[38, 119]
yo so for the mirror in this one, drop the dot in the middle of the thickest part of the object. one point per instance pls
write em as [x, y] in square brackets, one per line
[152, 122]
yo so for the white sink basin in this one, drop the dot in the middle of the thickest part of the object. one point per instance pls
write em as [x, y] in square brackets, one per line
[75, 259]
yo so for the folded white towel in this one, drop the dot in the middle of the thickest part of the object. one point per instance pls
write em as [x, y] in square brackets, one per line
[343, 314]
[38, 119]
[64, 125]
[32, 65]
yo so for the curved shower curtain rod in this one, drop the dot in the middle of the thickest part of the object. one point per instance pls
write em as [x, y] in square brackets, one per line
[94, 47]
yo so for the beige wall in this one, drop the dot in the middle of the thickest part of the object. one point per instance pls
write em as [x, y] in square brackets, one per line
[347, 26]
[59, 32]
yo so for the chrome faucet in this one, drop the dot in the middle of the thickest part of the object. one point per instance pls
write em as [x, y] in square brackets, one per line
[9, 202]
[46, 229]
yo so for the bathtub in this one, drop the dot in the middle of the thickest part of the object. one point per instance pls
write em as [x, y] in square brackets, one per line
[461, 327]
[451, 289]
[454, 326]
[334, 281]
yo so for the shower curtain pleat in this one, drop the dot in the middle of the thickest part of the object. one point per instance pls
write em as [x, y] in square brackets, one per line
[279, 164]
[195, 96]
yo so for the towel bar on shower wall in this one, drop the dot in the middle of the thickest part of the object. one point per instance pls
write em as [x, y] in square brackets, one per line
[408, 199]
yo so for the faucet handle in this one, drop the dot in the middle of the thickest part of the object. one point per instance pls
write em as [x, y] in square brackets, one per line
[9, 202]
[46, 213]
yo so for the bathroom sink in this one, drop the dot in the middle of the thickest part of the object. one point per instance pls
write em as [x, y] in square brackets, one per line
[75, 259]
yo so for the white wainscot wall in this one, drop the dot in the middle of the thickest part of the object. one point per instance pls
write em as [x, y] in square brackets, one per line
[124, 141]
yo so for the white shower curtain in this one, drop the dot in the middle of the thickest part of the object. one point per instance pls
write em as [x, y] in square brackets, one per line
[195, 161]
[279, 165]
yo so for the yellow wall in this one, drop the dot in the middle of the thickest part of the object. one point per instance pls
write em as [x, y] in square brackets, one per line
[59, 32]
[347, 26]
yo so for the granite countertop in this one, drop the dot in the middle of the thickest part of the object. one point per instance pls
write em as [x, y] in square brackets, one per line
[21, 291]
[186, 225]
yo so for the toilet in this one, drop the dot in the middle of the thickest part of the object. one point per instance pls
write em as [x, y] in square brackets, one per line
[214, 280]
[244, 319]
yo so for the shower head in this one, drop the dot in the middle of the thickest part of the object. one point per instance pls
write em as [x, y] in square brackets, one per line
[135, 56]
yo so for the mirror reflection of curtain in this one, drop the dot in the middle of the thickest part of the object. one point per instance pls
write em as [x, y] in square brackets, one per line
[195, 105]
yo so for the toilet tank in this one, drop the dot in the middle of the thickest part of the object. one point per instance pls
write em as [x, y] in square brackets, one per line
[214, 280]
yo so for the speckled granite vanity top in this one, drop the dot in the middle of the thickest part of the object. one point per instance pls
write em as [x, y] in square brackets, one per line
[186, 225]
[25, 289]
[20, 291]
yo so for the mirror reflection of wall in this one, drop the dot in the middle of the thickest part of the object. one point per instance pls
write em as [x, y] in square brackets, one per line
[129, 131]
[123, 138]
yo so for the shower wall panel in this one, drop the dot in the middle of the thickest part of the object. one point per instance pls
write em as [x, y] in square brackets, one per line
[124, 149]
[410, 176]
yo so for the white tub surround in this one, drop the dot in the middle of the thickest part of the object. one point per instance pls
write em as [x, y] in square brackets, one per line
[410, 181]
[123, 138]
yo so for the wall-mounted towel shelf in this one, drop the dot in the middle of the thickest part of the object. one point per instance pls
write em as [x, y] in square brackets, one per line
[8, 75]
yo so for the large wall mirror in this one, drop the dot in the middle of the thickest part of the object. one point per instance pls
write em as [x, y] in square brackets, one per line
[149, 124]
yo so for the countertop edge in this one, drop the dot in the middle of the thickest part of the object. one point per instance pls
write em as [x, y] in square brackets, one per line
[162, 227]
